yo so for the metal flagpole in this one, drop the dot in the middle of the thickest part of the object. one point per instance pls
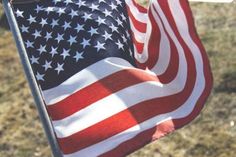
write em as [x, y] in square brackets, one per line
[47, 125]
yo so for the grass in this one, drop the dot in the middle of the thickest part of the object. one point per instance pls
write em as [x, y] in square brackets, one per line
[210, 135]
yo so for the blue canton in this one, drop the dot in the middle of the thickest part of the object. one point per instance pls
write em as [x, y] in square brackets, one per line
[62, 37]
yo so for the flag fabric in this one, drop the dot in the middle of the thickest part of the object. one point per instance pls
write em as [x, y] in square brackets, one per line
[114, 75]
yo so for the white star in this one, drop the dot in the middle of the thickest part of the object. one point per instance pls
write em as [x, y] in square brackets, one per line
[39, 8]
[113, 6]
[118, 2]
[37, 34]
[67, 2]
[43, 22]
[99, 46]
[119, 22]
[78, 56]
[124, 38]
[107, 35]
[65, 53]
[73, 13]
[56, 1]
[102, 1]
[130, 52]
[94, 7]
[47, 65]
[54, 23]
[81, 3]
[93, 31]
[72, 40]
[120, 45]
[29, 44]
[107, 13]
[85, 42]
[31, 19]
[49, 9]
[127, 33]
[24, 29]
[40, 76]
[66, 25]
[123, 17]
[79, 27]
[42, 49]
[48, 36]
[53, 51]
[34, 60]
[61, 11]
[19, 13]
[100, 21]
[59, 68]
[87, 16]
[114, 28]
[59, 37]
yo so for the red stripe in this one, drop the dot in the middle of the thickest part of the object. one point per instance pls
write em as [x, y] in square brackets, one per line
[140, 26]
[139, 46]
[121, 122]
[132, 116]
[146, 136]
[207, 70]
[139, 7]
[153, 45]
[171, 71]
[105, 86]
[135, 110]
[140, 140]
[60, 110]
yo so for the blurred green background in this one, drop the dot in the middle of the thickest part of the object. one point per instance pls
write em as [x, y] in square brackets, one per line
[212, 134]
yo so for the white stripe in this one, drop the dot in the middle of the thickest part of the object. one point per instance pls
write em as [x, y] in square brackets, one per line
[164, 52]
[139, 36]
[84, 78]
[114, 141]
[122, 100]
[143, 57]
[183, 111]
[139, 16]
[109, 106]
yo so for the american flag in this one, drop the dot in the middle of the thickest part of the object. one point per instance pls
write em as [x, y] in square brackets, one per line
[115, 75]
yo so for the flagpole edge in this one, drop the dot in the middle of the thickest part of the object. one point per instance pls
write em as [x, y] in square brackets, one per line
[35, 91]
